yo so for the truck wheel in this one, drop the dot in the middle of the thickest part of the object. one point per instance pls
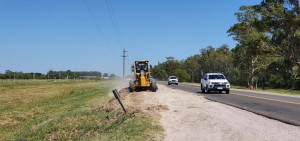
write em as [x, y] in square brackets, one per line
[208, 91]
[202, 89]
[131, 86]
[153, 85]
[227, 92]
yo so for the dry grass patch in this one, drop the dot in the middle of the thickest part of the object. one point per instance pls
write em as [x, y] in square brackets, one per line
[69, 110]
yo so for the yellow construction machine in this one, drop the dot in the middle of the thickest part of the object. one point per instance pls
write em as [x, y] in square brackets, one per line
[142, 79]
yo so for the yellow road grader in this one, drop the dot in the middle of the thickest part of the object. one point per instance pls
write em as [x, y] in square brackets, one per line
[142, 79]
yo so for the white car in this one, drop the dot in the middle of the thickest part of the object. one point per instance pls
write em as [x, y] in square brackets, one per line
[173, 80]
[214, 82]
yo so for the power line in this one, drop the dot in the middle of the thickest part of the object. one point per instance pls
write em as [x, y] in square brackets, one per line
[115, 27]
[97, 24]
[114, 22]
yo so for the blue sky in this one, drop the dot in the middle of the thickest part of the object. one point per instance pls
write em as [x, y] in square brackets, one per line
[38, 35]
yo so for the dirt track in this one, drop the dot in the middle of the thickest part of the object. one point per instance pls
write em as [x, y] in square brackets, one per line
[190, 117]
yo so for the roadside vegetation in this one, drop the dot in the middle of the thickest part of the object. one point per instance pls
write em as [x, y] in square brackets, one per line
[267, 54]
[270, 90]
[56, 75]
[68, 110]
[266, 90]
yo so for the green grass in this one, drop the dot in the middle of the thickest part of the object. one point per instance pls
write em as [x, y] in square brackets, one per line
[237, 87]
[190, 83]
[65, 110]
[281, 91]
[269, 90]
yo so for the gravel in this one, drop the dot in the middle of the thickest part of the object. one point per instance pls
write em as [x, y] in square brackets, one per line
[191, 117]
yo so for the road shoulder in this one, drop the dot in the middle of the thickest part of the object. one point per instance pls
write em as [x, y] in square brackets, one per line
[187, 116]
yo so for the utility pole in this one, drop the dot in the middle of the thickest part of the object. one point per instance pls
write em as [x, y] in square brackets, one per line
[50, 69]
[124, 55]
[14, 74]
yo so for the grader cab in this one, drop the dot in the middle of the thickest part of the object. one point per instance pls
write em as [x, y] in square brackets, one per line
[141, 79]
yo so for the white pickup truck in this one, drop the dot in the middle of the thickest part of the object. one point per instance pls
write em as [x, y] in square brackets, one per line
[214, 82]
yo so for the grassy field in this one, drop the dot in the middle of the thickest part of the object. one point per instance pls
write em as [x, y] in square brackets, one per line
[267, 90]
[67, 110]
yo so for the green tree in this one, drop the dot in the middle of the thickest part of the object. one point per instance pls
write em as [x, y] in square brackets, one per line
[192, 66]
[254, 49]
[207, 60]
[105, 75]
[282, 18]
[112, 76]
[215, 59]
[182, 75]
[159, 73]
[171, 65]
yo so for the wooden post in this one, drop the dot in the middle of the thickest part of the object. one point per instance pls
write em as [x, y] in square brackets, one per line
[116, 94]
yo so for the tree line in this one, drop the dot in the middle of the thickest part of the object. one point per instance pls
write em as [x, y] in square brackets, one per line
[56, 75]
[267, 53]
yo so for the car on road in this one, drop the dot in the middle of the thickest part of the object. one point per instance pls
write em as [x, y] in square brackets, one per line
[214, 82]
[172, 80]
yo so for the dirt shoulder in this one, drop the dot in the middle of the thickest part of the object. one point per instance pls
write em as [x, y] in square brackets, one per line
[190, 117]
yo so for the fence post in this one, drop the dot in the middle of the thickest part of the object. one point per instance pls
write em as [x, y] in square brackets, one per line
[116, 94]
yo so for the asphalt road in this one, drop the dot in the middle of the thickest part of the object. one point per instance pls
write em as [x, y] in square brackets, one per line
[283, 108]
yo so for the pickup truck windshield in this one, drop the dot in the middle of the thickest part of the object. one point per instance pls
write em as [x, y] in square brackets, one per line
[216, 77]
